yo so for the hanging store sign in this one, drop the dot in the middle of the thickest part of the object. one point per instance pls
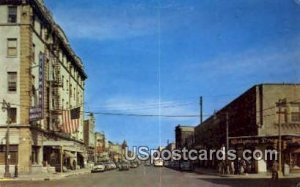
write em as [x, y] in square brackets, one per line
[37, 112]
[253, 140]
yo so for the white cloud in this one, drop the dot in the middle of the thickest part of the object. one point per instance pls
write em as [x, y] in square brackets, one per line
[260, 64]
[91, 24]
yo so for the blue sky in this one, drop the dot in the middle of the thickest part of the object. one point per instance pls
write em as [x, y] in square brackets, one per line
[160, 56]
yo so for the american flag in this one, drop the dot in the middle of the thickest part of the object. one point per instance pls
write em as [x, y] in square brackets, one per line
[71, 120]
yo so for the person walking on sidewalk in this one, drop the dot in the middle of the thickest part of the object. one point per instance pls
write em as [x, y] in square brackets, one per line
[232, 166]
[275, 168]
[238, 165]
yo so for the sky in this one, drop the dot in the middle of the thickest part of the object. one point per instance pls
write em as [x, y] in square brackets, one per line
[157, 57]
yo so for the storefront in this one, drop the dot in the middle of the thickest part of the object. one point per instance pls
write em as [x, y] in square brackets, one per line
[268, 146]
[64, 155]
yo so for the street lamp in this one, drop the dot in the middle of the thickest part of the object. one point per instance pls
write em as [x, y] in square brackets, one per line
[6, 107]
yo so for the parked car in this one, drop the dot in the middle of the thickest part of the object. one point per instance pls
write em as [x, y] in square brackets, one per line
[133, 164]
[186, 166]
[112, 165]
[107, 166]
[124, 166]
[159, 162]
[174, 164]
[98, 167]
[167, 163]
[118, 164]
[147, 163]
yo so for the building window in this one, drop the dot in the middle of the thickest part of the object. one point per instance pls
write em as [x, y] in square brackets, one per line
[41, 31]
[67, 85]
[12, 115]
[33, 21]
[53, 73]
[63, 81]
[12, 14]
[63, 104]
[33, 53]
[295, 116]
[295, 112]
[70, 93]
[12, 47]
[12, 81]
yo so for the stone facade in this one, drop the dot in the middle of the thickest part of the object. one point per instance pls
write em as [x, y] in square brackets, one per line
[36, 35]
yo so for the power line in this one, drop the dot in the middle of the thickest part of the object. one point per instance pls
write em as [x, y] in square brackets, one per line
[146, 108]
[144, 115]
[158, 115]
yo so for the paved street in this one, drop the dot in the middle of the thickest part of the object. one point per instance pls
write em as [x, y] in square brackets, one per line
[149, 176]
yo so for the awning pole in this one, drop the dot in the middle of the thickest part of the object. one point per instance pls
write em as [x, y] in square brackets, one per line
[61, 159]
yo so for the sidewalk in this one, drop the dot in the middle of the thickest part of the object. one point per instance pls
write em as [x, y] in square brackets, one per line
[212, 172]
[48, 176]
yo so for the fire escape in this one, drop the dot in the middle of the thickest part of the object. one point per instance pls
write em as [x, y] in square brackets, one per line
[55, 86]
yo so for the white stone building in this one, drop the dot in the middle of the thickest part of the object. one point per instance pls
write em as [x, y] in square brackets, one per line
[43, 80]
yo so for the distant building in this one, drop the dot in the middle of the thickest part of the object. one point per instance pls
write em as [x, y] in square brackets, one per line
[253, 123]
[89, 137]
[115, 151]
[124, 147]
[182, 135]
[171, 147]
[161, 148]
[101, 148]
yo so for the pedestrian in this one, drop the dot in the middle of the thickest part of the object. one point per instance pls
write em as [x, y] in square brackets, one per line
[227, 168]
[238, 166]
[243, 167]
[275, 168]
[232, 167]
[220, 167]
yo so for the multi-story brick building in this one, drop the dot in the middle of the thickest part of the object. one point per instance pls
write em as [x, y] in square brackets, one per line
[183, 135]
[101, 148]
[253, 121]
[42, 79]
[89, 137]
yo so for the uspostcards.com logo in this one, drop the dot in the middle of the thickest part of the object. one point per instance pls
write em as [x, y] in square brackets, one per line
[144, 153]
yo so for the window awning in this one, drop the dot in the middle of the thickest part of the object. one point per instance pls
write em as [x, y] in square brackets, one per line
[69, 154]
[81, 154]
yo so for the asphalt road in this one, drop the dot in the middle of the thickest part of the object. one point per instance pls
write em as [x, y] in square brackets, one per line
[152, 177]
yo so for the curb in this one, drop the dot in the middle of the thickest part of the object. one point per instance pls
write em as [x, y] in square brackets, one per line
[249, 176]
[44, 178]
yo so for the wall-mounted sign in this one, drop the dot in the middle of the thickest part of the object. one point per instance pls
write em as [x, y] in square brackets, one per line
[37, 112]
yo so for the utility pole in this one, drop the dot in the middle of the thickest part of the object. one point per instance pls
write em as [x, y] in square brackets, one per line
[6, 107]
[201, 110]
[279, 105]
